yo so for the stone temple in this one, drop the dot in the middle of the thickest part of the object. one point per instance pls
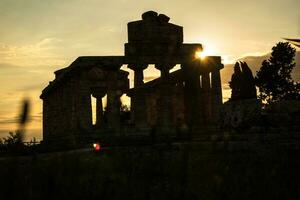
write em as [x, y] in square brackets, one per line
[185, 101]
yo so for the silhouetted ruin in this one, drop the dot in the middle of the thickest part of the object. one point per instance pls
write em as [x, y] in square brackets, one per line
[188, 98]
[242, 83]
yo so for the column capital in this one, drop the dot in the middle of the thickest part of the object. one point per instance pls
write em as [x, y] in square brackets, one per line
[137, 66]
[99, 96]
[164, 66]
[138, 73]
[98, 92]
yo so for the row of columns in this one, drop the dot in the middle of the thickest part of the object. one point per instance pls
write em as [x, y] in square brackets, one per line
[114, 93]
[210, 97]
[112, 109]
[203, 98]
[138, 100]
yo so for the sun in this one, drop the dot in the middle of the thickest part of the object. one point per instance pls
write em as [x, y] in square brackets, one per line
[200, 55]
[208, 50]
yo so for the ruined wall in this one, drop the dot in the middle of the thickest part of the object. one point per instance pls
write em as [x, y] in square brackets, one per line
[67, 109]
[67, 101]
[57, 112]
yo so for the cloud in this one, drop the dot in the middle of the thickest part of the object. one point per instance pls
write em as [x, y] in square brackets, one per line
[7, 66]
[48, 43]
[17, 78]
[43, 52]
[30, 87]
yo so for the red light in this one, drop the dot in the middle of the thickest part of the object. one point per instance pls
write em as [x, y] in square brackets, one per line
[97, 146]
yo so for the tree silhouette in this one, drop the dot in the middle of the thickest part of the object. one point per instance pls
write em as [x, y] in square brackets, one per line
[274, 77]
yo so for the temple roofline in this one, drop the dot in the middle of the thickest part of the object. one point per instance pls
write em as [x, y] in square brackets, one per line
[83, 62]
[115, 62]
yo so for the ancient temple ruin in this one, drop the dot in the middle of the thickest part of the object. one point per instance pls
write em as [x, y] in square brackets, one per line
[189, 98]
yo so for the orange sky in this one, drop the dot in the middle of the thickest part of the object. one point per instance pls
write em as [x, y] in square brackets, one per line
[39, 37]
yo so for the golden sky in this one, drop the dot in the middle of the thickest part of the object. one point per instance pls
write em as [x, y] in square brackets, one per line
[38, 37]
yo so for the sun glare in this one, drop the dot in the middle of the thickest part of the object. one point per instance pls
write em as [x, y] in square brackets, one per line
[226, 59]
[200, 54]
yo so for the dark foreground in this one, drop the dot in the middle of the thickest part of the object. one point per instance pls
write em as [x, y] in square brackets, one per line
[215, 168]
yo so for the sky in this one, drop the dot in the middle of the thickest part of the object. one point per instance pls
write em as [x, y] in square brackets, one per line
[38, 37]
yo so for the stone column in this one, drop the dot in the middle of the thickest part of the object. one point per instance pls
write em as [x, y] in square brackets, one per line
[84, 108]
[99, 109]
[201, 105]
[99, 112]
[195, 105]
[113, 109]
[138, 77]
[192, 92]
[206, 91]
[164, 108]
[113, 99]
[138, 99]
[138, 73]
[216, 94]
